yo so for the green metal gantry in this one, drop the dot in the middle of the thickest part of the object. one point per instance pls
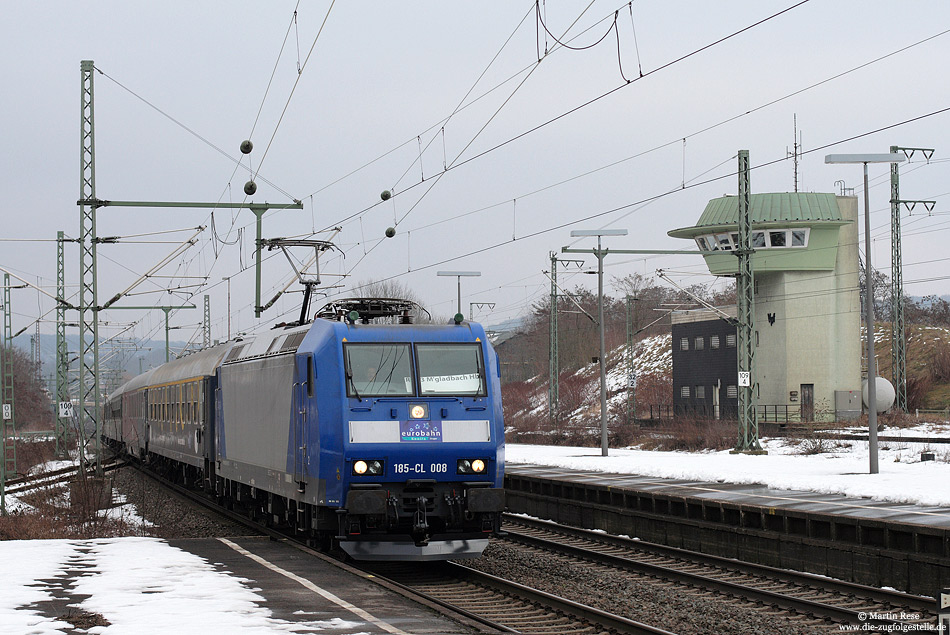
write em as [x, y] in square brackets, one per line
[90, 399]
[167, 310]
[554, 365]
[90, 395]
[631, 377]
[206, 324]
[8, 468]
[748, 440]
[553, 354]
[898, 335]
[62, 351]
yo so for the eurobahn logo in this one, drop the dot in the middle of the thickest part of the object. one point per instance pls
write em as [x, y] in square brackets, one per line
[420, 431]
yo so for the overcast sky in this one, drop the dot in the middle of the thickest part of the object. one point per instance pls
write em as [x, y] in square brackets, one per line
[503, 179]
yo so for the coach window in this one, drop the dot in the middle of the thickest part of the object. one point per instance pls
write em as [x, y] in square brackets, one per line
[713, 341]
[684, 392]
[378, 370]
[684, 344]
[700, 392]
[700, 343]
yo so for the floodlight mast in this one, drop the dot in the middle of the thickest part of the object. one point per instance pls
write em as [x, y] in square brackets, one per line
[459, 275]
[600, 253]
[892, 157]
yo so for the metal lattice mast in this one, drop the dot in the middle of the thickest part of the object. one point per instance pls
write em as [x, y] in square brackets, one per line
[898, 341]
[553, 357]
[62, 350]
[37, 359]
[631, 377]
[898, 334]
[89, 393]
[206, 331]
[8, 468]
[748, 425]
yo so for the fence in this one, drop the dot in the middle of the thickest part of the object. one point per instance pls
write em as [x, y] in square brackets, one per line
[765, 413]
[944, 414]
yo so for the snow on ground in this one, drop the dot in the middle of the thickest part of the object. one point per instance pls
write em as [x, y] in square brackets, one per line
[140, 585]
[843, 469]
[136, 583]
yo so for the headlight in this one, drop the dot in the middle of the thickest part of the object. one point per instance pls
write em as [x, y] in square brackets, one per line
[370, 467]
[418, 411]
[471, 466]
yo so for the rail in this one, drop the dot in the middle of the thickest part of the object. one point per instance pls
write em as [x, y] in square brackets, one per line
[803, 595]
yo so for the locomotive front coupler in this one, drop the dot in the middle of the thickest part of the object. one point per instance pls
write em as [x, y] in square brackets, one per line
[420, 525]
[454, 503]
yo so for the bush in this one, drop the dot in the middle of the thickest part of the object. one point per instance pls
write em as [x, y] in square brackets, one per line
[917, 389]
[940, 364]
[692, 434]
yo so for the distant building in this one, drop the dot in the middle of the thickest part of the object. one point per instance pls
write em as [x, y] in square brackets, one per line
[807, 304]
[705, 372]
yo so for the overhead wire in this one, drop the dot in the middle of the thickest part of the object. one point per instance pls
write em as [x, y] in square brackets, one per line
[658, 196]
[697, 132]
[790, 8]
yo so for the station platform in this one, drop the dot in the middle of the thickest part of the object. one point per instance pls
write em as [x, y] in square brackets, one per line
[746, 494]
[308, 590]
[208, 585]
[862, 540]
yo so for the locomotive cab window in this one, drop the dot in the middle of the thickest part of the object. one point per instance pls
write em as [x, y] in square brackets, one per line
[378, 370]
[451, 369]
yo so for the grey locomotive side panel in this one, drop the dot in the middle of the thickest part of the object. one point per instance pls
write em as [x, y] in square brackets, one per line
[257, 409]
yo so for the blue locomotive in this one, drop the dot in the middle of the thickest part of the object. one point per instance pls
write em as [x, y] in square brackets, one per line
[386, 440]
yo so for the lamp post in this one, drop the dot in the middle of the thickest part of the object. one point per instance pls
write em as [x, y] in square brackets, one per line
[459, 275]
[600, 253]
[868, 292]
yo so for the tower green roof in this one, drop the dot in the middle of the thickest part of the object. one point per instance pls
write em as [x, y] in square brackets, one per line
[784, 207]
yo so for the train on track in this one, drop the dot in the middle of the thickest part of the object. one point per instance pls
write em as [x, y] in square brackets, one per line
[385, 440]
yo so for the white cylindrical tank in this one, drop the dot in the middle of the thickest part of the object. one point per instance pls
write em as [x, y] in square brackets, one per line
[884, 393]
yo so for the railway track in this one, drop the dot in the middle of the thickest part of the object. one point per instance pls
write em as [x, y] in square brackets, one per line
[809, 600]
[812, 603]
[504, 605]
[488, 603]
[23, 484]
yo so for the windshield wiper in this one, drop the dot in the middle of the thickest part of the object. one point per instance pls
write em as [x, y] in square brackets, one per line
[349, 377]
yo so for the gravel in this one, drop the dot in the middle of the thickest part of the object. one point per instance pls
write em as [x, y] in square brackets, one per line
[647, 601]
[168, 515]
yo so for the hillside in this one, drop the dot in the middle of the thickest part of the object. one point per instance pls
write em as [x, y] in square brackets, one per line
[526, 403]
[928, 363]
